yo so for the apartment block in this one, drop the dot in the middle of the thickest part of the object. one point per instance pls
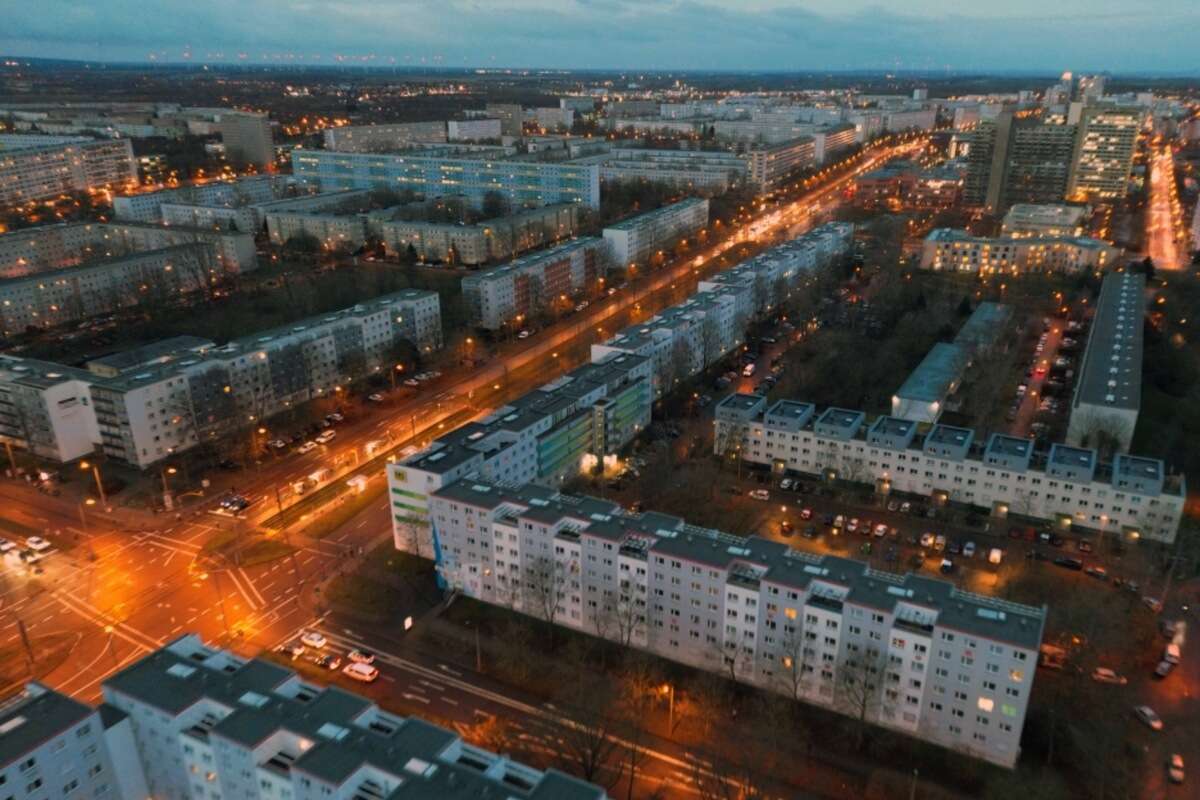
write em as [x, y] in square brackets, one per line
[382, 138]
[472, 130]
[210, 724]
[682, 340]
[909, 653]
[954, 250]
[1002, 474]
[1104, 151]
[510, 115]
[247, 137]
[1108, 393]
[147, 206]
[1019, 157]
[832, 140]
[555, 432]
[145, 405]
[696, 171]
[493, 239]
[36, 167]
[534, 282]
[53, 746]
[435, 173]
[1053, 221]
[56, 297]
[636, 239]
[771, 166]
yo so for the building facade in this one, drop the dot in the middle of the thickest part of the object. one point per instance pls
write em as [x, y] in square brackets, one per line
[471, 245]
[53, 746]
[1026, 220]
[697, 171]
[909, 653]
[38, 167]
[147, 206]
[1004, 475]
[636, 239]
[771, 166]
[534, 283]
[247, 137]
[953, 250]
[211, 725]
[1104, 151]
[432, 174]
[382, 138]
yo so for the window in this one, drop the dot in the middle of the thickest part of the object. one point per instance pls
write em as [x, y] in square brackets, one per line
[986, 704]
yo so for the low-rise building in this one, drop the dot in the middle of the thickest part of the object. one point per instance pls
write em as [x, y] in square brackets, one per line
[211, 724]
[472, 130]
[382, 138]
[1003, 475]
[533, 283]
[558, 431]
[1030, 220]
[635, 239]
[909, 653]
[493, 239]
[53, 746]
[831, 140]
[695, 171]
[1108, 393]
[236, 194]
[953, 250]
[34, 167]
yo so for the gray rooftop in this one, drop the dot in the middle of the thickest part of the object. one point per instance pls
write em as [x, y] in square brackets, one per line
[34, 716]
[650, 216]
[1111, 372]
[934, 377]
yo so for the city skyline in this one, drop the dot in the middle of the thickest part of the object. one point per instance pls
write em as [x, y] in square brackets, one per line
[762, 35]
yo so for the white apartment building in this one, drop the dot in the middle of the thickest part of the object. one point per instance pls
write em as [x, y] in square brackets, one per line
[954, 250]
[919, 119]
[1104, 149]
[1004, 475]
[1037, 221]
[771, 166]
[55, 297]
[37, 167]
[145, 405]
[909, 653]
[1108, 393]
[636, 239]
[211, 725]
[693, 171]
[53, 746]
[829, 141]
[549, 118]
[147, 206]
[247, 137]
[684, 339]
[555, 432]
[511, 292]
[502, 237]
[381, 138]
[472, 130]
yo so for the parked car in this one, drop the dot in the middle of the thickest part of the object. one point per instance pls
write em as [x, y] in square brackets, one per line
[293, 650]
[947, 566]
[939, 542]
[1100, 573]
[277, 444]
[307, 447]
[806, 513]
[785, 528]
[376, 397]
[927, 539]
[334, 417]
[37, 544]
[1146, 716]
[786, 484]
[969, 550]
[760, 494]
[6, 545]
[326, 437]
[523, 335]
[327, 660]
[1084, 546]
[361, 672]
[1106, 675]
[852, 525]
[905, 507]
[1068, 562]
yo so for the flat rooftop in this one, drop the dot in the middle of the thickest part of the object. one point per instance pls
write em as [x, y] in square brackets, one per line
[1111, 372]
[933, 378]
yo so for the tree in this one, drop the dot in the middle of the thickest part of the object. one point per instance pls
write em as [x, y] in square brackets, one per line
[859, 689]
[544, 580]
[589, 743]
[710, 341]
[495, 204]
[302, 243]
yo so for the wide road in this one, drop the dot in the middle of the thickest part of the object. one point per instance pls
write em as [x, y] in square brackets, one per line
[1164, 222]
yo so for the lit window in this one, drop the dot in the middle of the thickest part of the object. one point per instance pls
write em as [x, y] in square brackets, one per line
[986, 704]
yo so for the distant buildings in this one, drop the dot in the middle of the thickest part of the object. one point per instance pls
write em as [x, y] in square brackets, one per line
[700, 171]
[635, 239]
[909, 653]
[1104, 151]
[208, 723]
[148, 404]
[1005, 475]
[904, 184]
[382, 138]
[435, 173]
[481, 242]
[471, 130]
[952, 250]
[512, 292]
[1108, 392]
[216, 203]
[1025, 220]
[34, 167]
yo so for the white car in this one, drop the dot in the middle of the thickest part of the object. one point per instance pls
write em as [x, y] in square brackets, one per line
[1147, 716]
[1175, 768]
[278, 444]
[307, 447]
[760, 494]
[361, 656]
[360, 672]
[37, 544]
[375, 398]
[6, 545]
[880, 530]
[969, 550]
[314, 639]
[412, 382]
[326, 437]
[852, 525]
[1106, 675]
[523, 335]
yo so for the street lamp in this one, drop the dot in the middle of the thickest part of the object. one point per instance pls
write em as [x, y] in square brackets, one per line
[84, 465]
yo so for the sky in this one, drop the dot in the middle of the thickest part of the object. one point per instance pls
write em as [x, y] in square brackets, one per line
[956, 35]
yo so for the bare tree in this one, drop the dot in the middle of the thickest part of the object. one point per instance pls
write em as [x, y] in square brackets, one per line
[859, 688]
[710, 341]
[589, 743]
[544, 581]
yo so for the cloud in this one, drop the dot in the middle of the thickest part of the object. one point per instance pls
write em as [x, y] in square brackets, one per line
[626, 34]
